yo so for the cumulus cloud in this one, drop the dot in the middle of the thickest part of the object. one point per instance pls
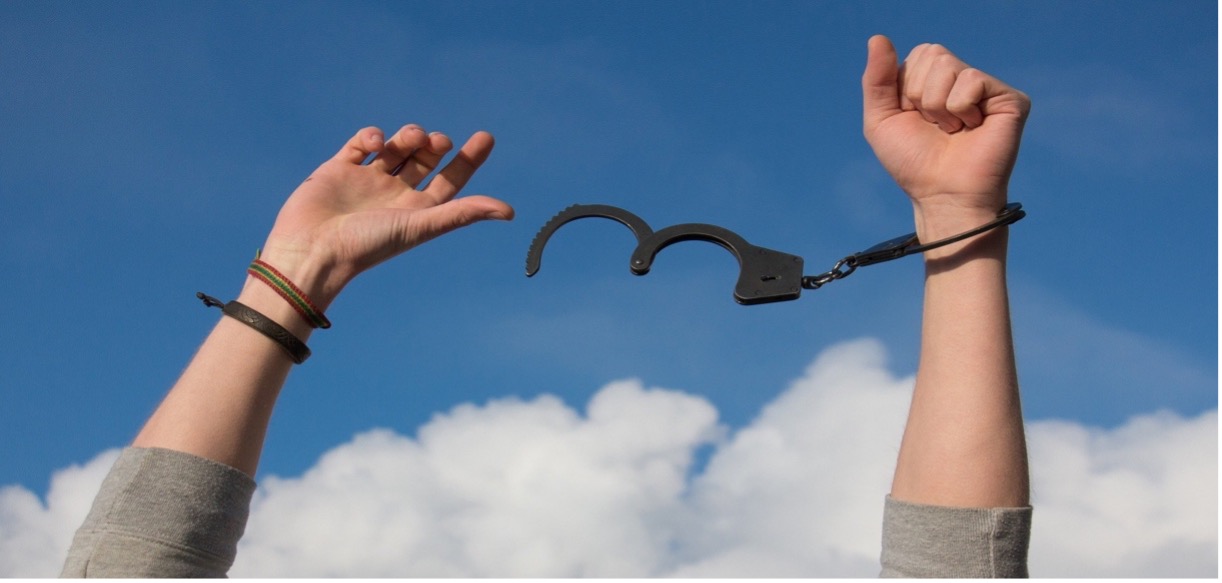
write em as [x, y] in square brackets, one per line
[799, 491]
[1140, 500]
[509, 489]
[34, 536]
[647, 482]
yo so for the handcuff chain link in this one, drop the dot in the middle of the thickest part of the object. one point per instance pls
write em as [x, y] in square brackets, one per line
[904, 246]
[836, 272]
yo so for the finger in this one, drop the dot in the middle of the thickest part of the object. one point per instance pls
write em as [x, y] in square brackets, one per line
[438, 220]
[424, 160]
[977, 95]
[365, 142]
[905, 103]
[940, 80]
[455, 175]
[880, 82]
[964, 98]
[399, 148]
[915, 68]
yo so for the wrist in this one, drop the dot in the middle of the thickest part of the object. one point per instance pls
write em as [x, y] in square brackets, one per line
[261, 298]
[317, 277]
[293, 289]
[940, 219]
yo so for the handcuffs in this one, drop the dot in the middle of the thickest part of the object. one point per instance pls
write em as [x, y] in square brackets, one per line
[765, 275]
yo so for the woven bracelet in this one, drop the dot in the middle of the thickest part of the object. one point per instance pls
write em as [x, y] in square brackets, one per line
[291, 293]
[296, 349]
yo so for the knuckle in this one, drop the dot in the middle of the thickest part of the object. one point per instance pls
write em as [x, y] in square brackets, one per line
[1024, 99]
[946, 60]
[917, 52]
[973, 74]
[959, 105]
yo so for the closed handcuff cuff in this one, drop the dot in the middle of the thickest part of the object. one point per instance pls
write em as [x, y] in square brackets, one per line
[765, 275]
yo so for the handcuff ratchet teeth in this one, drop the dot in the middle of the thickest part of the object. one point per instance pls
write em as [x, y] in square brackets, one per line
[765, 275]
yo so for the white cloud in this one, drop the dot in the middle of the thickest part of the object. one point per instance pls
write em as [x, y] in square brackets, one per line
[511, 488]
[34, 536]
[799, 491]
[536, 488]
[1138, 500]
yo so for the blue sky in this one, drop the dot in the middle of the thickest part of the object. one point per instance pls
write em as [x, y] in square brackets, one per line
[147, 146]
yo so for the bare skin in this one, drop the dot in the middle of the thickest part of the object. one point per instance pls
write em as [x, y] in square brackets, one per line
[344, 219]
[948, 134]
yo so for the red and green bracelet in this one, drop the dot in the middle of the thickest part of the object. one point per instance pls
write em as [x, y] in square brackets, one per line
[291, 293]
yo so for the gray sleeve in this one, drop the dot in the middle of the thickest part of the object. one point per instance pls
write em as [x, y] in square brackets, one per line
[942, 542]
[162, 513]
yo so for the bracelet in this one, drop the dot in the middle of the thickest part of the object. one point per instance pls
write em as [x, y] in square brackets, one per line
[296, 349]
[291, 293]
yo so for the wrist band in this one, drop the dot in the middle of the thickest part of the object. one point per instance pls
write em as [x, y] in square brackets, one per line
[291, 293]
[296, 349]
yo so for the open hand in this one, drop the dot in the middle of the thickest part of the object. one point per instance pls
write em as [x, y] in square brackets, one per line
[347, 216]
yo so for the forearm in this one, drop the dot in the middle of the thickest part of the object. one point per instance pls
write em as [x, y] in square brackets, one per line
[221, 405]
[964, 443]
[346, 217]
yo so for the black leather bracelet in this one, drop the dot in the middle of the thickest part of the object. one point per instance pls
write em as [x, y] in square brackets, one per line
[296, 349]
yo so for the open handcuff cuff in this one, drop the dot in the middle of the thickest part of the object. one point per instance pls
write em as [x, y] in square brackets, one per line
[765, 275]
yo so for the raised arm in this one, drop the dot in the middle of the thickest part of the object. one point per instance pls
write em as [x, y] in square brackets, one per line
[949, 135]
[175, 503]
[345, 218]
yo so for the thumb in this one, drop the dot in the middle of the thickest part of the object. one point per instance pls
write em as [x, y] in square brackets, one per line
[455, 214]
[880, 82]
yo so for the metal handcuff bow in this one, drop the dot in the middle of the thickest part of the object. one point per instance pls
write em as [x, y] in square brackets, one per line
[765, 275]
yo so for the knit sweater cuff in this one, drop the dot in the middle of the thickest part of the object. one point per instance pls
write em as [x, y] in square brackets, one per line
[163, 513]
[936, 541]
